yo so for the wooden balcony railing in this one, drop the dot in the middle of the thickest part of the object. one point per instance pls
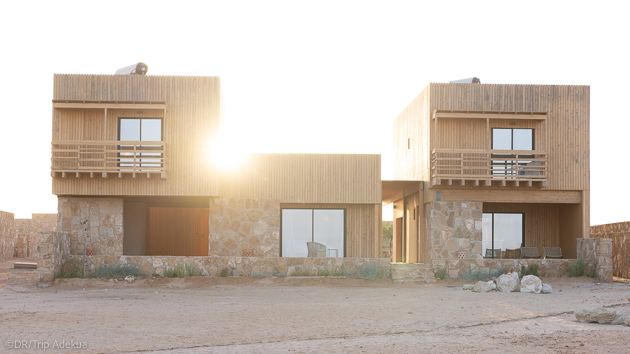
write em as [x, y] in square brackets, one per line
[105, 157]
[489, 166]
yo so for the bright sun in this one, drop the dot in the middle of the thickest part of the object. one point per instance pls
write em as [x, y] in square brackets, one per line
[225, 152]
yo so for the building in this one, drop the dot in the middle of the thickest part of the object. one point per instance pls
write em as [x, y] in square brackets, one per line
[132, 173]
[491, 167]
[479, 168]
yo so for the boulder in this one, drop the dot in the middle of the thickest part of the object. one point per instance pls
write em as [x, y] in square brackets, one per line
[595, 315]
[468, 286]
[508, 283]
[531, 284]
[130, 278]
[483, 287]
[622, 318]
[546, 289]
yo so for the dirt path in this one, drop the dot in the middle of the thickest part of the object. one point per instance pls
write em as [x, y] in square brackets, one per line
[304, 315]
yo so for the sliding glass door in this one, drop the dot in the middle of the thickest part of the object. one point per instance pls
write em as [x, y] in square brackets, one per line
[502, 231]
[325, 226]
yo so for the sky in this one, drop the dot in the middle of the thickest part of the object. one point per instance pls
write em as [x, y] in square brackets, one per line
[313, 77]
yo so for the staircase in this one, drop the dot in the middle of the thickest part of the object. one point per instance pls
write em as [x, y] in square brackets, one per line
[412, 273]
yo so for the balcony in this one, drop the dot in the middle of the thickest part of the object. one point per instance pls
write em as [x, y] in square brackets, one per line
[489, 166]
[105, 157]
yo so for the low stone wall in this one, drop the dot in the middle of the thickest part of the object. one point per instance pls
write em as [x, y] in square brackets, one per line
[620, 235]
[7, 235]
[28, 233]
[103, 218]
[245, 266]
[457, 268]
[237, 224]
[52, 249]
[597, 251]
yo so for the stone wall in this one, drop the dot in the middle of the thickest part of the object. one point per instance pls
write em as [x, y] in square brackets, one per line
[245, 266]
[546, 267]
[103, 218]
[454, 231]
[28, 233]
[237, 224]
[597, 251]
[52, 250]
[620, 235]
[7, 235]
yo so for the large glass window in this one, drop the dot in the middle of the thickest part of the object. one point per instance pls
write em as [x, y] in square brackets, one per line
[140, 129]
[502, 231]
[505, 164]
[325, 226]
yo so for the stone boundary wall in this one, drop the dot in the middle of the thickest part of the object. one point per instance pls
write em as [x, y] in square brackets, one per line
[620, 235]
[52, 250]
[237, 224]
[546, 267]
[7, 235]
[28, 232]
[246, 266]
[597, 251]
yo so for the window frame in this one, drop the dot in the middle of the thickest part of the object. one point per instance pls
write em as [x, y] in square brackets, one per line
[504, 212]
[508, 166]
[148, 147]
[345, 239]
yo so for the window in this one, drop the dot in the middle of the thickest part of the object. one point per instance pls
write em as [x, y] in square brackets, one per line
[140, 129]
[505, 164]
[325, 226]
[502, 231]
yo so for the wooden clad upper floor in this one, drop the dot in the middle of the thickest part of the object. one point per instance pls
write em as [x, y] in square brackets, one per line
[451, 132]
[306, 178]
[134, 135]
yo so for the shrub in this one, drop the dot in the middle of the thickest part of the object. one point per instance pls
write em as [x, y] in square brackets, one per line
[192, 270]
[478, 274]
[370, 271]
[323, 272]
[224, 273]
[117, 271]
[169, 272]
[71, 269]
[531, 269]
[301, 273]
[581, 268]
[180, 270]
[440, 273]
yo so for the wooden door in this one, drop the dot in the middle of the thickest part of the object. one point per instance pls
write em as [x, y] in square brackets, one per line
[177, 232]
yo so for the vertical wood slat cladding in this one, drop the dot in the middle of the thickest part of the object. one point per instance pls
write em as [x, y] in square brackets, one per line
[412, 157]
[567, 122]
[192, 118]
[363, 236]
[306, 178]
[542, 222]
[178, 232]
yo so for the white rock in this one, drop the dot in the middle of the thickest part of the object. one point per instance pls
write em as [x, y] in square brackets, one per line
[482, 287]
[531, 284]
[508, 283]
[492, 284]
[130, 278]
[468, 286]
[546, 289]
[595, 315]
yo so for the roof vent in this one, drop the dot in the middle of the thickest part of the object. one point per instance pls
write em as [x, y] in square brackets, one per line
[472, 80]
[135, 69]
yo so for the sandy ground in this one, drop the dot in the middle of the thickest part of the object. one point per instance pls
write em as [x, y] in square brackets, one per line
[270, 315]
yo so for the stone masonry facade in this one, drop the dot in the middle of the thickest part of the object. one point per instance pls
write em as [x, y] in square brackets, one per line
[237, 224]
[454, 233]
[7, 235]
[103, 219]
[598, 252]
